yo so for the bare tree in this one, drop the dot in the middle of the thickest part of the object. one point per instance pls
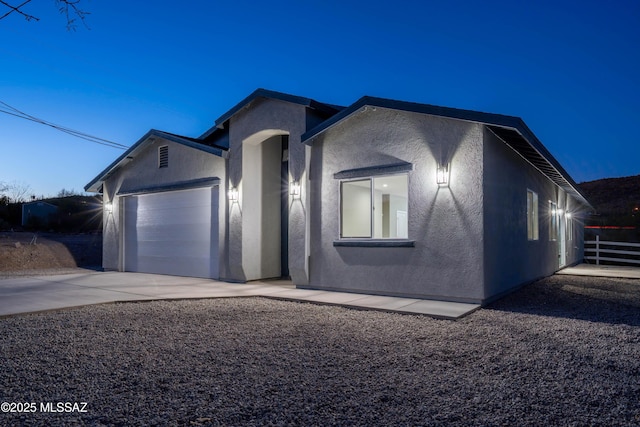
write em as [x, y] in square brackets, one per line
[18, 191]
[67, 193]
[4, 199]
[69, 8]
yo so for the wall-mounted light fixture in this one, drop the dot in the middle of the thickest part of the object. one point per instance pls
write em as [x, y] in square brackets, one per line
[568, 215]
[108, 208]
[442, 174]
[233, 194]
[294, 189]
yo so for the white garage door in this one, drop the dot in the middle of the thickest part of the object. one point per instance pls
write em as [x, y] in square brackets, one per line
[172, 233]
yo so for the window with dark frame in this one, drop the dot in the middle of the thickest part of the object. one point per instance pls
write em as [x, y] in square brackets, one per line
[374, 207]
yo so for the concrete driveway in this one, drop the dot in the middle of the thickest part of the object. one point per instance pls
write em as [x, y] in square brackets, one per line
[41, 293]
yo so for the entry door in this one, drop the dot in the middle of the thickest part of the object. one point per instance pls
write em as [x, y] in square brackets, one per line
[172, 233]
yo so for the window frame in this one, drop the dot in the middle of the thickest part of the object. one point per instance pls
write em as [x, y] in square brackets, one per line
[340, 212]
[554, 222]
[533, 216]
[342, 240]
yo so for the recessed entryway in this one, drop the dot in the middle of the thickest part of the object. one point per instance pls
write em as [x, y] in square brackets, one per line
[265, 209]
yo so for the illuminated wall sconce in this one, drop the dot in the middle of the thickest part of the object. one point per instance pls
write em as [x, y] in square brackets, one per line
[233, 195]
[442, 175]
[108, 208]
[568, 215]
[294, 189]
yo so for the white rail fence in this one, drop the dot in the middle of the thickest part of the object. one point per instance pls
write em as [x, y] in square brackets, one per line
[600, 250]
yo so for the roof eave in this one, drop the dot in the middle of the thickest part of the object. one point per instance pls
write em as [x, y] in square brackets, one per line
[488, 119]
[557, 174]
[434, 110]
[222, 121]
[95, 185]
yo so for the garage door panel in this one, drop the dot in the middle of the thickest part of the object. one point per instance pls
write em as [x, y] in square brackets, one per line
[159, 248]
[172, 233]
[184, 216]
[177, 215]
[166, 232]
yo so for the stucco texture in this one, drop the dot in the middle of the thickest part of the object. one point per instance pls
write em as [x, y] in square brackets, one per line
[512, 259]
[258, 124]
[185, 164]
[446, 223]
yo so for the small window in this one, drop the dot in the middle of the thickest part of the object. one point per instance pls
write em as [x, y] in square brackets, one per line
[163, 156]
[374, 207]
[553, 221]
[532, 215]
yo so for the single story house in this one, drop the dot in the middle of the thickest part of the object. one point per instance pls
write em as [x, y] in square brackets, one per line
[37, 213]
[380, 197]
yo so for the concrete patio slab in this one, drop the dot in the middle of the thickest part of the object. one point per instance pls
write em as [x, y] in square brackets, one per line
[335, 297]
[621, 272]
[41, 293]
[441, 309]
[296, 293]
[386, 303]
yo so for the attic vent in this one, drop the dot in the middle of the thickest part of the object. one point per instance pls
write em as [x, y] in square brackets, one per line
[163, 156]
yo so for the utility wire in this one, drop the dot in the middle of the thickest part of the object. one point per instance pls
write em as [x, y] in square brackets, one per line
[8, 109]
[17, 9]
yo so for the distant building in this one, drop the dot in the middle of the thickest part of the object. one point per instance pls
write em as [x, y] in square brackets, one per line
[37, 213]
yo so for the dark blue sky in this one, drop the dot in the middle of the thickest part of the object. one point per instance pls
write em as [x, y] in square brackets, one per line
[571, 70]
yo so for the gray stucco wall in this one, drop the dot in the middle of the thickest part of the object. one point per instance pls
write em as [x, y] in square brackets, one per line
[446, 223]
[185, 164]
[510, 258]
[263, 119]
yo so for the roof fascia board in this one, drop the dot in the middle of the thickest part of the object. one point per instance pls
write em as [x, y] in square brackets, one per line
[368, 101]
[537, 145]
[191, 143]
[489, 119]
[221, 122]
[571, 186]
[116, 162]
[148, 137]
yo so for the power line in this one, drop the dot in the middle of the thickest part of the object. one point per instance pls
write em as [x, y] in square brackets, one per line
[17, 9]
[8, 109]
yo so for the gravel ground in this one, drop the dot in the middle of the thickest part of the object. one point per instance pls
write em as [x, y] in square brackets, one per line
[562, 351]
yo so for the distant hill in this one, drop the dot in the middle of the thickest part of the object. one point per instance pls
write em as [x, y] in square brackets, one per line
[616, 200]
